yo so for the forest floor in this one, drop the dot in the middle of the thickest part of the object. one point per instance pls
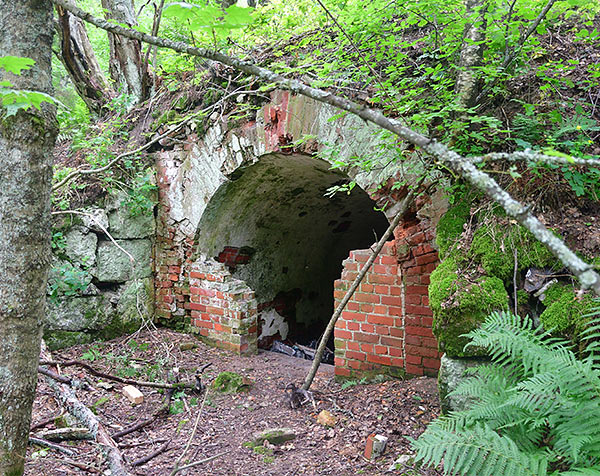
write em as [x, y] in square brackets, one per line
[394, 408]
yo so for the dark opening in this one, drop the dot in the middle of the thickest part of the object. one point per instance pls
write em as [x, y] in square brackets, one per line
[276, 230]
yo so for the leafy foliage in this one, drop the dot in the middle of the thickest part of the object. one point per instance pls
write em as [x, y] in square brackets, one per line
[537, 410]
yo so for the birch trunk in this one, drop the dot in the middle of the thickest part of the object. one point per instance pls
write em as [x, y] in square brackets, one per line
[126, 65]
[26, 143]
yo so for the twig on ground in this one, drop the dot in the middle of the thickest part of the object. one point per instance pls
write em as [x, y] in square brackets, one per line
[128, 381]
[196, 463]
[145, 459]
[45, 421]
[85, 467]
[53, 446]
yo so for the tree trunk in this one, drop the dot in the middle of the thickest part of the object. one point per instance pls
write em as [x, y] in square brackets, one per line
[126, 65]
[79, 60]
[26, 142]
[471, 54]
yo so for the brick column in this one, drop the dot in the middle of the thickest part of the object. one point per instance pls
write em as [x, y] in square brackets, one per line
[369, 336]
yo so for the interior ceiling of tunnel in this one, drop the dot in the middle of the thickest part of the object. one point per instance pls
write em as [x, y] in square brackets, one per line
[292, 237]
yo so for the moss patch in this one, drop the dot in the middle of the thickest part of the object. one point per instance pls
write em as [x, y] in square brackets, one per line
[450, 226]
[493, 246]
[564, 312]
[230, 382]
[459, 306]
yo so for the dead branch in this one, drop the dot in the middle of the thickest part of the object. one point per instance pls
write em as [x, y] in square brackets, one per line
[444, 156]
[44, 422]
[529, 155]
[66, 434]
[53, 446]
[84, 415]
[145, 459]
[85, 467]
[55, 376]
[202, 461]
[115, 378]
[404, 205]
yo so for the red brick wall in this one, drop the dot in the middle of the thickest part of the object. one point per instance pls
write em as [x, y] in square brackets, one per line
[417, 260]
[369, 336]
[222, 308]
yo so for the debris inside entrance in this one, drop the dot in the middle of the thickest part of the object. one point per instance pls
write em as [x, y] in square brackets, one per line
[302, 351]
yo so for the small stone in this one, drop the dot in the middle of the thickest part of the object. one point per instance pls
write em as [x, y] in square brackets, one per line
[401, 461]
[105, 385]
[188, 346]
[274, 436]
[133, 394]
[325, 418]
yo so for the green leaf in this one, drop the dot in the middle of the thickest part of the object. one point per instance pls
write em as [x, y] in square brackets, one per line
[15, 64]
[238, 17]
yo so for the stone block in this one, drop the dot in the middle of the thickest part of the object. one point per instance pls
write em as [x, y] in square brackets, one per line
[114, 266]
[452, 372]
[123, 225]
[81, 245]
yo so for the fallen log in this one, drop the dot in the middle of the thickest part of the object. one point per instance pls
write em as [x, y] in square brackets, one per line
[67, 397]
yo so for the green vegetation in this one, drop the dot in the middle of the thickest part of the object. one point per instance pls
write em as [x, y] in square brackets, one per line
[535, 409]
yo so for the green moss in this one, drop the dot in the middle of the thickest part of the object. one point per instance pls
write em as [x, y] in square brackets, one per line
[460, 306]
[564, 312]
[450, 226]
[230, 382]
[62, 339]
[493, 246]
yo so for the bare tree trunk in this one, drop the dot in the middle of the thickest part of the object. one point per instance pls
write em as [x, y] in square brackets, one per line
[79, 60]
[471, 54]
[127, 67]
[26, 142]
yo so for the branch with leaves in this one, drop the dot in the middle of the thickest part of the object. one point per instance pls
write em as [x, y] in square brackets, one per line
[441, 154]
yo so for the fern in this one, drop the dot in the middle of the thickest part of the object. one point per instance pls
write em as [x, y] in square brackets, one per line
[535, 410]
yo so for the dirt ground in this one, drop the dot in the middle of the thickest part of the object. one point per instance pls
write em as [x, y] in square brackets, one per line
[393, 408]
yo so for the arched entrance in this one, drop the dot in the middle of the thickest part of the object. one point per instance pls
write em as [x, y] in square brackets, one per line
[275, 229]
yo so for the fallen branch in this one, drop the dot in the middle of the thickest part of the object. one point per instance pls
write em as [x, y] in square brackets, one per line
[145, 459]
[445, 156]
[531, 156]
[196, 463]
[403, 206]
[44, 422]
[53, 446]
[115, 378]
[84, 415]
[54, 375]
[85, 467]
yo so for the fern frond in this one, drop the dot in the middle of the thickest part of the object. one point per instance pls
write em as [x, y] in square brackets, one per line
[478, 452]
[595, 471]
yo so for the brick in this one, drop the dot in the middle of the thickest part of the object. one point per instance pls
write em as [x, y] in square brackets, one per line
[173, 277]
[422, 290]
[431, 363]
[413, 359]
[421, 310]
[339, 361]
[362, 297]
[379, 359]
[203, 292]
[413, 340]
[340, 334]
[350, 354]
[353, 316]
[382, 310]
[353, 306]
[340, 324]
[426, 259]
[368, 348]
[353, 345]
[366, 307]
[395, 311]
[396, 362]
[392, 341]
[381, 279]
[362, 256]
[342, 372]
[413, 299]
[362, 337]
[395, 290]
[388, 260]
[381, 349]
[367, 328]
[396, 352]
[419, 331]
[367, 288]
[194, 274]
[396, 332]
[354, 364]
[382, 330]
[381, 320]
[197, 307]
[352, 326]
[391, 300]
[381, 289]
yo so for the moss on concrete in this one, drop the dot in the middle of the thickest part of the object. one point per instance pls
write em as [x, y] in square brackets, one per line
[459, 306]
